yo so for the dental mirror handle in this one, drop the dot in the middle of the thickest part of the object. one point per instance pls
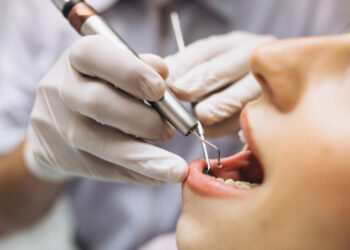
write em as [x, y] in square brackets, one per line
[87, 22]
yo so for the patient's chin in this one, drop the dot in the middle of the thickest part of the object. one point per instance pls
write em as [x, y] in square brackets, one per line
[191, 234]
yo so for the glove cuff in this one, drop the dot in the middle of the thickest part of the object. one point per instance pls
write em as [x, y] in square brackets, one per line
[39, 168]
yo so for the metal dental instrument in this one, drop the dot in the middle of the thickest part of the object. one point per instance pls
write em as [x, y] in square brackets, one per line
[203, 143]
[175, 21]
[200, 136]
[86, 21]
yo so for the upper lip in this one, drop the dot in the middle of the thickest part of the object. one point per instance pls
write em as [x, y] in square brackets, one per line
[247, 132]
[207, 185]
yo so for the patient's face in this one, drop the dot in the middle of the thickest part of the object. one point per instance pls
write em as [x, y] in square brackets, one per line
[298, 134]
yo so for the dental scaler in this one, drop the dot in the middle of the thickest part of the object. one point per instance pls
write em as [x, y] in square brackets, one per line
[175, 22]
[86, 21]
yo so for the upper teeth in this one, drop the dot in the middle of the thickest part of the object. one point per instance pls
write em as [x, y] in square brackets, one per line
[242, 137]
[237, 184]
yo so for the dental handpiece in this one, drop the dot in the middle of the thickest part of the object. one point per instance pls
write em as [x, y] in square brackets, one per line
[86, 21]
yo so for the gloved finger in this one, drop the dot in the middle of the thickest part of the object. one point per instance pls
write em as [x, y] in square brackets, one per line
[214, 74]
[228, 102]
[225, 127]
[157, 63]
[109, 106]
[97, 56]
[116, 147]
[202, 51]
[107, 171]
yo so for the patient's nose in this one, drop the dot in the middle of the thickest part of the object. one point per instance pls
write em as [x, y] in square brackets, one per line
[281, 67]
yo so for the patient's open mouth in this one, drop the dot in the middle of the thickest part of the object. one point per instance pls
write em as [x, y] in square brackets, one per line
[243, 169]
[239, 173]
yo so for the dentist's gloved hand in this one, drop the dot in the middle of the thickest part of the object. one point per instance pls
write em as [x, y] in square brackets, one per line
[88, 119]
[214, 74]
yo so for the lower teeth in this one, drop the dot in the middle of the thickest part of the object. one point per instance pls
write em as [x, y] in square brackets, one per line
[237, 184]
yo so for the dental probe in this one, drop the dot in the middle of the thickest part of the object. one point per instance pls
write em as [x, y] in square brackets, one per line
[86, 21]
[175, 21]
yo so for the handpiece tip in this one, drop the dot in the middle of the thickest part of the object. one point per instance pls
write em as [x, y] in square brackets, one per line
[199, 133]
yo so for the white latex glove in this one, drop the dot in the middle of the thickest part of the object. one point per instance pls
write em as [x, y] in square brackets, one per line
[83, 119]
[215, 73]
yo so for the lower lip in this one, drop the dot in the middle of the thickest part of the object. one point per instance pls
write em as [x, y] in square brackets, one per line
[207, 185]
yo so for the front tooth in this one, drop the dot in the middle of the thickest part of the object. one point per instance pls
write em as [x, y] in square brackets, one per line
[230, 182]
[242, 184]
[242, 137]
[220, 180]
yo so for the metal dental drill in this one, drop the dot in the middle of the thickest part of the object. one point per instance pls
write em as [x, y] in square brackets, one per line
[87, 22]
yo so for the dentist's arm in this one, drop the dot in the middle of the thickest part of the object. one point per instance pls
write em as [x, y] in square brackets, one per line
[89, 120]
[23, 198]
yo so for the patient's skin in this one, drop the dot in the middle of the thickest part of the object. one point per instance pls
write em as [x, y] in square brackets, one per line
[300, 131]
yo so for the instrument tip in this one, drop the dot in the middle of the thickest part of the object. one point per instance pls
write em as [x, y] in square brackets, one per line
[199, 133]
